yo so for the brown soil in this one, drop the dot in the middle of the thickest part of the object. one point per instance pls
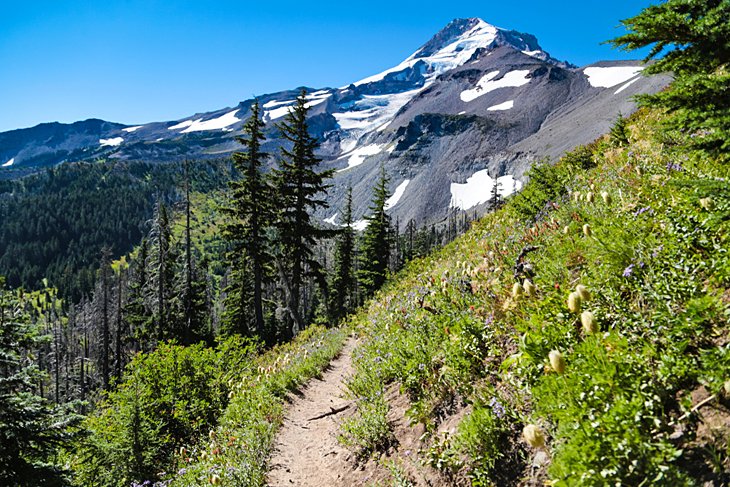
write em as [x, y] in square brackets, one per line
[307, 452]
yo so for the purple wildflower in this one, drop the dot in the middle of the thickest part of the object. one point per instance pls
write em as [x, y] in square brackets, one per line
[497, 407]
[628, 270]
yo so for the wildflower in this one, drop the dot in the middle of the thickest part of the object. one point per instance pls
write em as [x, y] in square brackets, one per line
[557, 362]
[583, 292]
[497, 407]
[589, 322]
[566, 229]
[516, 290]
[576, 196]
[529, 287]
[606, 197]
[707, 203]
[593, 186]
[533, 435]
[587, 230]
[589, 197]
[574, 302]
[627, 272]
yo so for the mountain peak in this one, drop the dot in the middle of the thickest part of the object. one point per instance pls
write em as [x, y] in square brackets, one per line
[455, 30]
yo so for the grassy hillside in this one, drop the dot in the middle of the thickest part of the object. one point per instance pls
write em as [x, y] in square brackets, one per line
[513, 382]
[627, 384]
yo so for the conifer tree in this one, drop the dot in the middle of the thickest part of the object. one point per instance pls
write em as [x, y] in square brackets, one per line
[136, 310]
[495, 199]
[376, 241]
[343, 279]
[251, 213]
[300, 189]
[694, 35]
[31, 428]
[162, 237]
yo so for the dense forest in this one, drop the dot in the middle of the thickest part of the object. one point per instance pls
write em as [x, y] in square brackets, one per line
[155, 317]
[56, 223]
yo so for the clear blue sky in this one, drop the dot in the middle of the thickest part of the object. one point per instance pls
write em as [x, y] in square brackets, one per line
[136, 61]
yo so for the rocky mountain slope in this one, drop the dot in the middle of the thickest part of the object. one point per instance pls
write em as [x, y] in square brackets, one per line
[474, 103]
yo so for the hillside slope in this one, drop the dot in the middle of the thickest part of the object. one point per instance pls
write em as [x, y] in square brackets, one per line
[465, 374]
[517, 383]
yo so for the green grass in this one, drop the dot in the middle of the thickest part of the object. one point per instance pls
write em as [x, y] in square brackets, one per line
[449, 332]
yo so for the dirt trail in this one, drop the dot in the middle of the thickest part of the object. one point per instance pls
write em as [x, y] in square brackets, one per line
[307, 451]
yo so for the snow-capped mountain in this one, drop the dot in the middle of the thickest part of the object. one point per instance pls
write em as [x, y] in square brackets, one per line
[473, 104]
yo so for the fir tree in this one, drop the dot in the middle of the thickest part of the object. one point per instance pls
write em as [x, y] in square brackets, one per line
[343, 279]
[162, 236]
[300, 189]
[136, 310]
[376, 240]
[31, 428]
[495, 198]
[251, 213]
[694, 34]
[619, 134]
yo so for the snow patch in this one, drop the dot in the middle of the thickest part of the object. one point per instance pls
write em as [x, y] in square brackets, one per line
[132, 129]
[608, 77]
[331, 220]
[502, 106]
[536, 54]
[397, 195]
[486, 84]
[274, 103]
[478, 189]
[9, 163]
[357, 156]
[360, 225]
[626, 85]
[113, 142]
[181, 125]
[374, 111]
[277, 112]
[213, 124]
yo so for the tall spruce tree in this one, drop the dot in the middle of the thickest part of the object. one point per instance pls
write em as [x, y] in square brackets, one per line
[693, 36]
[343, 278]
[31, 429]
[161, 235]
[251, 213]
[376, 240]
[300, 189]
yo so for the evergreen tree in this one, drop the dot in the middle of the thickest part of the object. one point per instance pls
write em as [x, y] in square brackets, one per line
[619, 134]
[343, 279]
[376, 241]
[251, 213]
[163, 277]
[136, 310]
[299, 188]
[694, 34]
[495, 199]
[31, 429]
